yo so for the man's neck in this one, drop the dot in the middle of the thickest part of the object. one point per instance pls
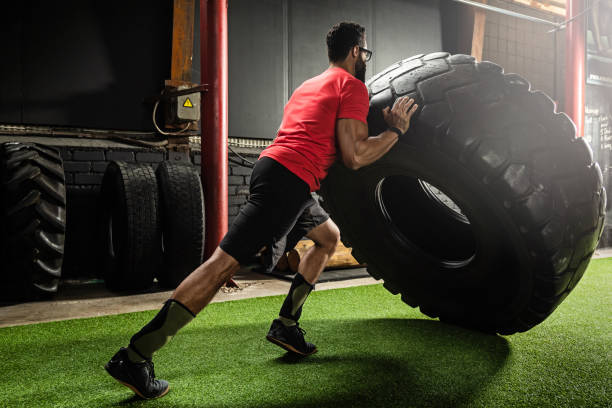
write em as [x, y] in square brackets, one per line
[345, 66]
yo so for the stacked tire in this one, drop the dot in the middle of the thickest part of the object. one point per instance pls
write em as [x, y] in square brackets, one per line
[487, 212]
[182, 207]
[130, 226]
[33, 211]
[152, 224]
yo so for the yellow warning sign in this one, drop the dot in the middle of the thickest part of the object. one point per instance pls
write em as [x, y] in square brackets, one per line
[188, 103]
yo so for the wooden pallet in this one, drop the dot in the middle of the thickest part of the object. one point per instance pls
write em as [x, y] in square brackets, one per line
[342, 258]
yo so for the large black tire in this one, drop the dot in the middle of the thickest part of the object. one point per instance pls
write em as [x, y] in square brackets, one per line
[33, 218]
[182, 208]
[487, 211]
[130, 226]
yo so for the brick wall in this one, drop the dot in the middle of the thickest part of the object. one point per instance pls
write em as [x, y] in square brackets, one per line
[525, 48]
[84, 168]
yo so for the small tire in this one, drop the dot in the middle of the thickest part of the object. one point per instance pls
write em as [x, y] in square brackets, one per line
[33, 205]
[130, 226]
[182, 214]
[486, 213]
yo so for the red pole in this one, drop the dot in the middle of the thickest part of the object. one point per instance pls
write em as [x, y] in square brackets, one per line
[213, 54]
[575, 59]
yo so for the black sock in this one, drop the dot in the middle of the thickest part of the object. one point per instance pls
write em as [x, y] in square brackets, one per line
[170, 319]
[292, 306]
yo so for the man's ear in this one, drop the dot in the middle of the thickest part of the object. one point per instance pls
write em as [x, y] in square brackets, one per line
[355, 51]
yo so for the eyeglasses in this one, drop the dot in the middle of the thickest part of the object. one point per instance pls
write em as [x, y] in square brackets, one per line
[367, 52]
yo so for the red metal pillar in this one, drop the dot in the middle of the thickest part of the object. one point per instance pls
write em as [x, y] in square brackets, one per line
[213, 54]
[575, 58]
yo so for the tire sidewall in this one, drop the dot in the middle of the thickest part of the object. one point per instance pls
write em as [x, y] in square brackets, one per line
[491, 222]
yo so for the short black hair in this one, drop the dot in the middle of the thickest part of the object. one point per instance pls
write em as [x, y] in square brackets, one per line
[341, 38]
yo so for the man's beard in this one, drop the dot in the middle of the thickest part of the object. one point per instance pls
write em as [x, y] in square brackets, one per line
[360, 70]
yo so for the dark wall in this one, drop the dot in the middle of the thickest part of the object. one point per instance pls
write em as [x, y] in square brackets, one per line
[275, 45]
[11, 67]
[90, 63]
[457, 22]
[83, 63]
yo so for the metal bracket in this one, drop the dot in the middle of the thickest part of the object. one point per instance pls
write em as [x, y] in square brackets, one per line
[167, 95]
[179, 156]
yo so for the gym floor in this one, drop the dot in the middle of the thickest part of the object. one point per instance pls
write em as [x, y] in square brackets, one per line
[92, 300]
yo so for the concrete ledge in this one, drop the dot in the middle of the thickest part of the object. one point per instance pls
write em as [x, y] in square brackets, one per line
[602, 253]
[105, 303]
[71, 142]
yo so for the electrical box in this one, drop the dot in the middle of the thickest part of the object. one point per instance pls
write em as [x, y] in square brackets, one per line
[184, 108]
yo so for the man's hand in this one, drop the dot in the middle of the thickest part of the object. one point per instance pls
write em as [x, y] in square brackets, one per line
[358, 149]
[399, 116]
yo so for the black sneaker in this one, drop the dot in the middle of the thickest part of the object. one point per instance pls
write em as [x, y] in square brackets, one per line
[290, 338]
[139, 377]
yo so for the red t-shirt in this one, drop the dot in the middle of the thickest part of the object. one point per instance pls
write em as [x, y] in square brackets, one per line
[306, 140]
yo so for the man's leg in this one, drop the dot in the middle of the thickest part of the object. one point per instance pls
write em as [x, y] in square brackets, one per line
[326, 238]
[132, 366]
[188, 299]
[198, 289]
[285, 330]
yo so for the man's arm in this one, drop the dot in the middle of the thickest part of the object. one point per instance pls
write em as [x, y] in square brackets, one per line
[357, 149]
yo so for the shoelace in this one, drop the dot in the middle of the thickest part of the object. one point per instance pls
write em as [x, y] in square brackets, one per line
[151, 370]
[297, 326]
[301, 339]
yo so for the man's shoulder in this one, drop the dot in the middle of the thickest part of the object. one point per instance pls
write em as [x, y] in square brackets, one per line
[341, 78]
[346, 79]
[337, 73]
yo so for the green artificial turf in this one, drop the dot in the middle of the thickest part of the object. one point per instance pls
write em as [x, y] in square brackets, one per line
[374, 351]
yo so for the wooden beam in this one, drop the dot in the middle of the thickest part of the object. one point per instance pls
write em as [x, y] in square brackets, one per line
[558, 3]
[182, 40]
[550, 6]
[182, 59]
[479, 32]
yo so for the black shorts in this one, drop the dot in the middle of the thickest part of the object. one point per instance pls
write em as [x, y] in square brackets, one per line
[311, 217]
[277, 200]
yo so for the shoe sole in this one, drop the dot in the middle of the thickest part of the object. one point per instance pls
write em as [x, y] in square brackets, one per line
[289, 347]
[131, 387]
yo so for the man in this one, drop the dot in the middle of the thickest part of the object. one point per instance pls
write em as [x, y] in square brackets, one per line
[326, 113]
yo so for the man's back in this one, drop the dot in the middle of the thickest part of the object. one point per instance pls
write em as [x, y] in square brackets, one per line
[306, 143]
